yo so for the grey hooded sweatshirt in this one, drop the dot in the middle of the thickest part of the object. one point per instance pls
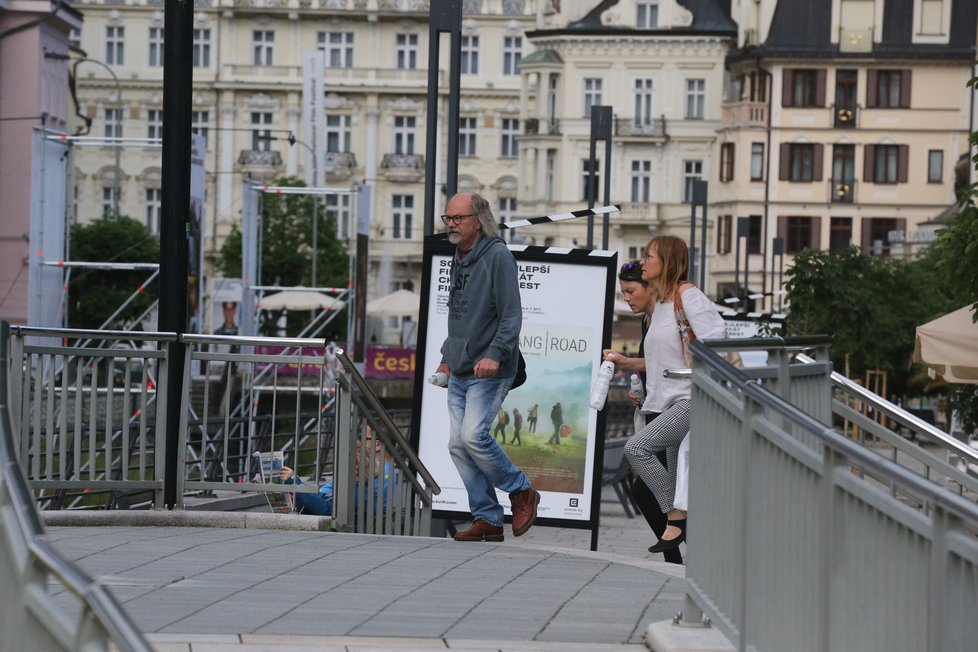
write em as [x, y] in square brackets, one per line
[484, 309]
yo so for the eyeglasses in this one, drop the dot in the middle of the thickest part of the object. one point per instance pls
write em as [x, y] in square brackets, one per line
[455, 219]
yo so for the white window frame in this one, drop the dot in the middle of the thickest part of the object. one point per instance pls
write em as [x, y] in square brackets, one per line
[113, 121]
[508, 131]
[647, 14]
[641, 181]
[695, 98]
[154, 42]
[154, 123]
[406, 51]
[153, 202]
[202, 48]
[402, 217]
[757, 161]
[338, 133]
[550, 174]
[115, 45]
[260, 123]
[597, 179]
[507, 209]
[200, 123]
[942, 36]
[338, 47]
[692, 170]
[467, 136]
[512, 54]
[593, 87]
[469, 63]
[108, 199]
[643, 95]
[263, 47]
[404, 128]
[339, 205]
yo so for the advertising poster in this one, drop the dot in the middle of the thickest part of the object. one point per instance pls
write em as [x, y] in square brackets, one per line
[545, 426]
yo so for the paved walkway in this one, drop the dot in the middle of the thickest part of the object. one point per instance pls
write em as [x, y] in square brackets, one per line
[211, 589]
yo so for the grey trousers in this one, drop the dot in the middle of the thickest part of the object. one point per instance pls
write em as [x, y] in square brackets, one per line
[664, 433]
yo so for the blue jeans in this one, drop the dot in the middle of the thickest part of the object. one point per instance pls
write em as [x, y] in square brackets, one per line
[480, 460]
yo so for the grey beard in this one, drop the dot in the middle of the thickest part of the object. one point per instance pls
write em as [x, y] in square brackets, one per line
[454, 238]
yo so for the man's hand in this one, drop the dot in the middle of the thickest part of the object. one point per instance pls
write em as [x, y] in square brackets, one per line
[486, 368]
[285, 473]
[443, 369]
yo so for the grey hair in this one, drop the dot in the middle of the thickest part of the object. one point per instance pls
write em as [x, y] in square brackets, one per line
[480, 208]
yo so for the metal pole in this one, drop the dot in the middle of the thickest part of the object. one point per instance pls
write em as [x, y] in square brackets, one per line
[175, 217]
[606, 118]
[703, 240]
[778, 250]
[443, 16]
[315, 235]
[697, 198]
[743, 231]
[600, 130]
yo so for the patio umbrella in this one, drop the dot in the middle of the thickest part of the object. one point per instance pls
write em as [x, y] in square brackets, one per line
[299, 300]
[400, 303]
[949, 346]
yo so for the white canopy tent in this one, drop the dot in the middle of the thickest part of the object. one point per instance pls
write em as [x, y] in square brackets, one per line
[949, 346]
[400, 303]
[299, 300]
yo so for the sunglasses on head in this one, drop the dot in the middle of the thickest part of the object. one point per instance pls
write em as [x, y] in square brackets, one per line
[630, 266]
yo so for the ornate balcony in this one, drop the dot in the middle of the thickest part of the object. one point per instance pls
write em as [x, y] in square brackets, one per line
[403, 167]
[641, 127]
[745, 114]
[340, 165]
[542, 127]
[261, 163]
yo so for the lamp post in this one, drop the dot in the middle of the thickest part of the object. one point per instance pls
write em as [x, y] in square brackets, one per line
[118, 99]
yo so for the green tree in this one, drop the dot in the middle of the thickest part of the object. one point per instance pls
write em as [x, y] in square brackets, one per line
[869, 305]
[95, 294]
[287, 247]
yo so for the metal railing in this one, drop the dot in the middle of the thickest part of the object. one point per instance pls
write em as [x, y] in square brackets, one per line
[793, 547]
[33, 615]
[86, 423]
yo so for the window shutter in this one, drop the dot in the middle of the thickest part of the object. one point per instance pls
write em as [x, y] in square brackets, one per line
[905, 89]
[869, 163]
[866, 229]
[820, 87]
[784, 165]
[816, 239]
[817, 153]
[783, 227]
[903, 162]
[872, 78]
[787, 87]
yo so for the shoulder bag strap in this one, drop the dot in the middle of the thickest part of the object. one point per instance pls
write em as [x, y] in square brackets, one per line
[685, 329]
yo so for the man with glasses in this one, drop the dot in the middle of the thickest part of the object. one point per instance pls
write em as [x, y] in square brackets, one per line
[480, 357]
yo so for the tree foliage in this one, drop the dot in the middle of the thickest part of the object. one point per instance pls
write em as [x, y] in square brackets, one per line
[95, 294]
[869, 305]
[287, 227]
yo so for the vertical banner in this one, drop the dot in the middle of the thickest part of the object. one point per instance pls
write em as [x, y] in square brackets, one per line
[314, 115]
[567, 300]
[195, 237]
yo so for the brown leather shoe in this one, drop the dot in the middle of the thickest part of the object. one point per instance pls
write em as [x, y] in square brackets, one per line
[524, 504]
[480, 531]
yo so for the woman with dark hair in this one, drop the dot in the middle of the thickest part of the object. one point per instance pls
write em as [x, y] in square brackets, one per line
[665, 266]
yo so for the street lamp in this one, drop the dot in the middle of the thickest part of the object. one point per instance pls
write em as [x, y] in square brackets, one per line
[118, 98]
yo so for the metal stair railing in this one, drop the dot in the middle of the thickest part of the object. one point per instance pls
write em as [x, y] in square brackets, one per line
[790, 549]
[392, 495]
[32, 615]
[933, 466]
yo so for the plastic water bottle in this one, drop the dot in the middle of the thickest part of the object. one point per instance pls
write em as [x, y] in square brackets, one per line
[600, 390]
[439, 379]
[638, 387]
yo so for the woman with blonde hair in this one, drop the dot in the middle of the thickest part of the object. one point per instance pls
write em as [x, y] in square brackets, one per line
[665, 266]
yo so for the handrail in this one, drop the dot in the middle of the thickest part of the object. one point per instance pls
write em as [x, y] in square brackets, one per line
[74, 333]
[898, 414]
[389, 424]
[829, 437]
[103, 604]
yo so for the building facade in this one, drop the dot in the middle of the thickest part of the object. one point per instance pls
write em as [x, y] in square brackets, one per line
[33, 99]
[843, 122]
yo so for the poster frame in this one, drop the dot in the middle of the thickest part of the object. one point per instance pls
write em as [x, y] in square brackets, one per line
[438, 245]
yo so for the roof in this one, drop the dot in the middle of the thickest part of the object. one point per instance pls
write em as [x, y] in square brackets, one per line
[542, 56]
[802, 28]
[710, 17]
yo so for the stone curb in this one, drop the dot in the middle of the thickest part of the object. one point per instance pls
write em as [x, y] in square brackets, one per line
[181, 518]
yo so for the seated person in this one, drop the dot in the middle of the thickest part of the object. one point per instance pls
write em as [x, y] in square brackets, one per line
[321, 504]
